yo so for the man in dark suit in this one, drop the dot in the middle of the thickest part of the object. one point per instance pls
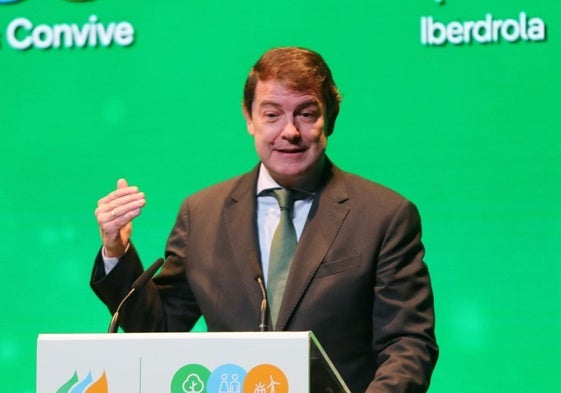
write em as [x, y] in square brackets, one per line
[356, 278]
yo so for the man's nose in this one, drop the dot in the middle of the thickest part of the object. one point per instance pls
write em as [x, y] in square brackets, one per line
[290, 131]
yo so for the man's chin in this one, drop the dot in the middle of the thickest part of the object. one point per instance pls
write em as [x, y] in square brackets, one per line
[293, 174]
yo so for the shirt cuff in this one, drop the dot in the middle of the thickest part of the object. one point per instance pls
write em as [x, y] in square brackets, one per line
[109, 262]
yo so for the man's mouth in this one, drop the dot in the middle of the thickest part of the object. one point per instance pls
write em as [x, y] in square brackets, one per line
[292, 150]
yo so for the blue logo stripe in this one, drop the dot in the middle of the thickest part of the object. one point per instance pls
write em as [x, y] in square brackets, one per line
[81, 387]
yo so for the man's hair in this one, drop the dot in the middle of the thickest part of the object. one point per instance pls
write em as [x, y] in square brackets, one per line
[300, 70]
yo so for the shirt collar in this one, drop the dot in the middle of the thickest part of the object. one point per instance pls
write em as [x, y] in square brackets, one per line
[266, 182]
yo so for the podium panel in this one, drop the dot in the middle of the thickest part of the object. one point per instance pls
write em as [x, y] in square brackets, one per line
[269, 362]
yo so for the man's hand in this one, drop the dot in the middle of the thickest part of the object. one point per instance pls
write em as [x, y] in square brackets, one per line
[114, 215]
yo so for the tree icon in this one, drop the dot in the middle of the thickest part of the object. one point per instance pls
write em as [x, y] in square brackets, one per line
[193, 384]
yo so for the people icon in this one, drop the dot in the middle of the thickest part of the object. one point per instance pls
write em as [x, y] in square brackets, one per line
[232, 386]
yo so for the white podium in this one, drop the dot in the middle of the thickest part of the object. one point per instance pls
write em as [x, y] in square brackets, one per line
[268, 362]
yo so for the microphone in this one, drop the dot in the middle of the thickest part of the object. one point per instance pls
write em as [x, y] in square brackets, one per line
[137, 284]
[147, 274]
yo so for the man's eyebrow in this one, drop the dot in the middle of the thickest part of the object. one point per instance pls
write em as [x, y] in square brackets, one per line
[308, 102]
[269, 103]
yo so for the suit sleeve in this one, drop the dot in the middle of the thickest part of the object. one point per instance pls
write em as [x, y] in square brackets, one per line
[165, 303]
[403, 312]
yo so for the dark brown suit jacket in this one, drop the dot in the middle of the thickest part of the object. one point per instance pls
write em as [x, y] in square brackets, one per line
[358, 279]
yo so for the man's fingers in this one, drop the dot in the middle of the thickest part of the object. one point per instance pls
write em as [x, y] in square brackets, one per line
[123, 202]
[125, 209]
[115, 220]
[119, 208]
[108, 211]
[119, 193]
[122, 183]
[114, 214]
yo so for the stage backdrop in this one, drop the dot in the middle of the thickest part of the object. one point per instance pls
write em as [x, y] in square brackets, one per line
[454, 103]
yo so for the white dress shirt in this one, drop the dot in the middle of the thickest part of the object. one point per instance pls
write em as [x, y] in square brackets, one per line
[268, 215]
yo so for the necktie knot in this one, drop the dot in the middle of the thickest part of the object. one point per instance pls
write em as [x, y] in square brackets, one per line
[285, 198]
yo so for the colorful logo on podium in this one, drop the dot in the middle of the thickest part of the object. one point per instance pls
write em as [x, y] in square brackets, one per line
[265, 378]
[85, 385]
[191, 378]
[229, 378]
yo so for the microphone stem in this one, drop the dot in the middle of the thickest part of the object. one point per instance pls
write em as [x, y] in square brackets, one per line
[263, 309]
[114, 325]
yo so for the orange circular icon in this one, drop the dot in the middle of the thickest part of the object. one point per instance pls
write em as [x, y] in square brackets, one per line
[265, 378]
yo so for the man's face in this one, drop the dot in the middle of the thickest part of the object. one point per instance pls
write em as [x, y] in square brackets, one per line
[289, 132]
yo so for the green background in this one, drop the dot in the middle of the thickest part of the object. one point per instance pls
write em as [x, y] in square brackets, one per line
[469, 133]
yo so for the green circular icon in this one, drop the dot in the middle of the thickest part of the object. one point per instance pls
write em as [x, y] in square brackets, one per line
[191, 378]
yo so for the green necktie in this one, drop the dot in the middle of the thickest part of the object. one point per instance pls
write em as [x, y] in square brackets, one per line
[282, 250]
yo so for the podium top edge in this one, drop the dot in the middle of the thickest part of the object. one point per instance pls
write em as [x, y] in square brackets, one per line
[174, 336]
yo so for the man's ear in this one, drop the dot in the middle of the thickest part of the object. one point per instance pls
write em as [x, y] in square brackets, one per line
[248, 121]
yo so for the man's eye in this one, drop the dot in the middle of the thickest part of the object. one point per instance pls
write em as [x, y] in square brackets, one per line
[269, 116]
[309, 115]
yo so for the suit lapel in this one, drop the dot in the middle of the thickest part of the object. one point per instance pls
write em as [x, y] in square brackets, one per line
[240, 223]
[326, 217]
